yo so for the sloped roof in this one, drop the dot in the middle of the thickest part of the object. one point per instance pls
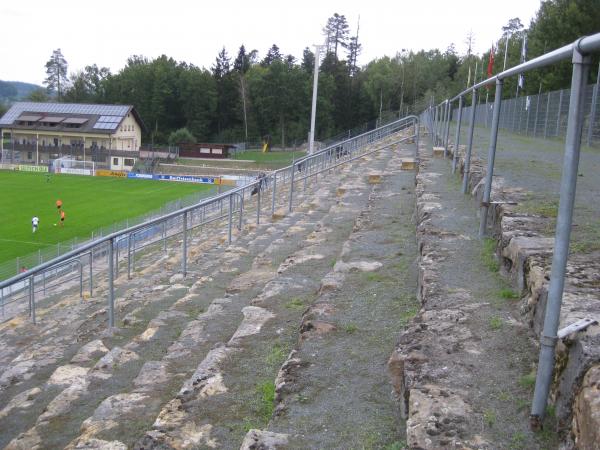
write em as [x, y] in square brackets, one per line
[94, 111]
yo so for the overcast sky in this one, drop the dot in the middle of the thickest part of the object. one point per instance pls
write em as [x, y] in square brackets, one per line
[107, 32]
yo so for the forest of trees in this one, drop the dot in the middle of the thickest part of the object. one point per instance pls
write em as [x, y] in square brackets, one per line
[243, 97]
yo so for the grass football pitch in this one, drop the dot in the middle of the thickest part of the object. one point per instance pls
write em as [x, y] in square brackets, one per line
[89, 204]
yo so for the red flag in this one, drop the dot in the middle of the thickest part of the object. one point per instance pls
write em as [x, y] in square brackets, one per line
[491, 62]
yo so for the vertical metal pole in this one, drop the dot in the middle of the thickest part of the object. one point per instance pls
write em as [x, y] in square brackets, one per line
[184, 250]
[457, 135]
[313, 112]
[292, 187]
[129, 256]
[485, 203]
[435, 125]
[563, 233]
[117, 259]
[32, 298]
[418, 138]
[230, 217]
[274, 190]
[164, 235]
[560, 100]
[80, 278]
[241, 210]
[111, 285]
[447, 132]
[469, 145]
[592, 118]
[91, 273]
[546, 116]
[258, 194]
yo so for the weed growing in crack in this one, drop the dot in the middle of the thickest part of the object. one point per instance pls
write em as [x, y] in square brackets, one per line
[489, 417]
[527, 381]
[488, 255]
[295, 304]
[397, 445]
[277, 355]
[518, 440]
[408, 315]
[508, 294]
[496, 323]
[350, 328]
[266, 390]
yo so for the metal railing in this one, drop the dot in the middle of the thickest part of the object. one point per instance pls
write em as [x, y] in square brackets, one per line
[102, 255]
[543, 115]
[438, 122]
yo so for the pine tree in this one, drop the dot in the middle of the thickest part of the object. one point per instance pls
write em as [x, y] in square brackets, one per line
[336, 32]
[56, 71]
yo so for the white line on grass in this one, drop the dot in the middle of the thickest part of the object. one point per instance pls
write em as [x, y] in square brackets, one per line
[25, 242]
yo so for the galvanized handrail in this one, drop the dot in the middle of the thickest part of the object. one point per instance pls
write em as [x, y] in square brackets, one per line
[309, 161]
[579, 52]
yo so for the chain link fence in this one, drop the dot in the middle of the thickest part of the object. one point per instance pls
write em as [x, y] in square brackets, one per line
[542, 116]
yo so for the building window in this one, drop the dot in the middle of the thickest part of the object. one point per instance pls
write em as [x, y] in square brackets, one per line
[115, 161]
[128, 162]
[29, 155]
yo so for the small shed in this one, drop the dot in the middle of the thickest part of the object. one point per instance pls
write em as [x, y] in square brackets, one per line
[216, 151]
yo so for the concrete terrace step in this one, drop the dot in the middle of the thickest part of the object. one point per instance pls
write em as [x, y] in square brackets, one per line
[153, 311]
[333, 390]
[248, 363]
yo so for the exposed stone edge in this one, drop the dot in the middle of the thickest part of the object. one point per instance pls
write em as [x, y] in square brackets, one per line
[525, 254]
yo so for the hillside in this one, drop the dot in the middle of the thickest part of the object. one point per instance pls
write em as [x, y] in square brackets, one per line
[16, 90]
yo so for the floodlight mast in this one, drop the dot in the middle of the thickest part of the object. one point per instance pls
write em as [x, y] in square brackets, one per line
[314, 99]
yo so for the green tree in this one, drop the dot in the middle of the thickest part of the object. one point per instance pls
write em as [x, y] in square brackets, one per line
[56, 73]
[336, 33]
[181, 136]
[39, 95]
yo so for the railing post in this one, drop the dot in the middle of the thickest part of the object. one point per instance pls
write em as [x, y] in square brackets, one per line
[562, 237]
[546, 116]
[292, 187]
[91, 272]
[80, 278]
[111, 285]
[457, 135]
[32, 298]
[241, 210]
[560, 100]
[447, 131]
[230, 217]
[485, 203]
[418, 138]
[467, 167]
[164, 235]
[274, 190]
[258, 193]
[129, 255]
[184, 250]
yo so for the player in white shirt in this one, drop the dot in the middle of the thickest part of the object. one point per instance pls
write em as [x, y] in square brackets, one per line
[34, 223]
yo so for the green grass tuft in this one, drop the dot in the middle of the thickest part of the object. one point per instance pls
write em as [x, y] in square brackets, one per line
[527, 381]
[266, 390]
[496, 323]
[488, 255]
[508, 294]
[295, 304]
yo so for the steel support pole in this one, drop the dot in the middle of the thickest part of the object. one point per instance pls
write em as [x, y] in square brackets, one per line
[435, 112]
[230, 218]
[292, 188]
[546, 116]
[457, 135]
[32, 298]
[418, 138]
[258, 202]
[467, 166]
[91, 272]
[447, 131]
[485, 203]
[241, 210]
[129, 256]
[274, 189]
[111, 284]
[184, 249]
[560, 100]
[80, 278]
[562, 237]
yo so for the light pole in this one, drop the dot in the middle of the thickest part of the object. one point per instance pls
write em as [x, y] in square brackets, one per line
[314, 99]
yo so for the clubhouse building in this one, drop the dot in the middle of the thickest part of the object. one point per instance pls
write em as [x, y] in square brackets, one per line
[36, 133]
